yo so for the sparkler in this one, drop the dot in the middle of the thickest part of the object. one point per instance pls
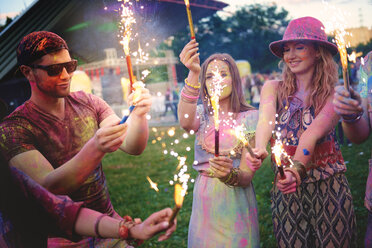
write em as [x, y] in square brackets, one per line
[216, 107]
[178, 198]
[336, 25]
[278, 150]
[216, 91]
[137, 93]
[127, 20]
[125, 117]
[152, 184]
[341, 44]
[240, 135]
[189, 17]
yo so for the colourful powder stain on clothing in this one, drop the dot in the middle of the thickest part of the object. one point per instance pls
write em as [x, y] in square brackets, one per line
[243, 242]
[306, 152]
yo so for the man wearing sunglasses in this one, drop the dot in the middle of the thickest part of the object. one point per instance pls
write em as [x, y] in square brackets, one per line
[59, 138]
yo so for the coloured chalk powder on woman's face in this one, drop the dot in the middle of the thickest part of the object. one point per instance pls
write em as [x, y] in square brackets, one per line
[299, 56]
[222, 68]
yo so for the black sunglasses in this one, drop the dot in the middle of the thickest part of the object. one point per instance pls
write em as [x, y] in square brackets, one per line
[56, 69]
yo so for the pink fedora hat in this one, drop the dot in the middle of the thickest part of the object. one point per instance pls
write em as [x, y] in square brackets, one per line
[303, 29]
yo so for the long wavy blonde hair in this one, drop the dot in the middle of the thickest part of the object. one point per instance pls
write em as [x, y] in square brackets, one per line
[323, 82]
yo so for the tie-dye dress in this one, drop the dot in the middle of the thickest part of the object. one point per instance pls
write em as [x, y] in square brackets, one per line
[222, 216]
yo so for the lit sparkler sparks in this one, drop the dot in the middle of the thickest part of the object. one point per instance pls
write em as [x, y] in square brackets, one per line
[336, 25]
[216, 91]
[152, 184]
[354, 55]
[239, 133]
[278, 151]
[140, 54]
[178, 198]
[137, 86]
[189, 17]
[341, 44]
[127, 20]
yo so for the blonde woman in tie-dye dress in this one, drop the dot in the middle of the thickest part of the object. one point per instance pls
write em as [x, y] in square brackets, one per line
[224, 211]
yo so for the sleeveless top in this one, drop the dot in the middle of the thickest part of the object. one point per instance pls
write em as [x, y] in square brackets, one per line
[293, 119]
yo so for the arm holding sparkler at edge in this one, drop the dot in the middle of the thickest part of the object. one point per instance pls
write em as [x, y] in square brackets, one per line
[190, 93]
[108, 226]
[264, 130]
[356, 129]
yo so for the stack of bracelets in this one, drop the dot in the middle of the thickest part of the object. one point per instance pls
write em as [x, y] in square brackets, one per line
[190, 93]
[124, 226]
[233, 178]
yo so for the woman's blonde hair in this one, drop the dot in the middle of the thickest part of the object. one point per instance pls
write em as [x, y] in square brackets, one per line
[323, 81]
[237, 99]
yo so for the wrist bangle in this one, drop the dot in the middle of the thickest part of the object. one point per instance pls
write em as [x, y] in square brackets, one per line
[96, 225]
[192, 86]
[188, 96]
[353, 118]
[233, 178]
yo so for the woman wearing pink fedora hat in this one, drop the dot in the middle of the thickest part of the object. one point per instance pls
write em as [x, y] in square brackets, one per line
[312, 204]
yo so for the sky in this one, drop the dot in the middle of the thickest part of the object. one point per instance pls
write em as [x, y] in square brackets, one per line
[356, 12]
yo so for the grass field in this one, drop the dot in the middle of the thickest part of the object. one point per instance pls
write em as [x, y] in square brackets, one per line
[131, 193]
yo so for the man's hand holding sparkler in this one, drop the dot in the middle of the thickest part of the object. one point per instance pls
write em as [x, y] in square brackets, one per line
[141, 99]
[155, 223]
[138, 133]
[109, 137]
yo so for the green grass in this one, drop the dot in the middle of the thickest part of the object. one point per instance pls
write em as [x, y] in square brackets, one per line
[131, 193]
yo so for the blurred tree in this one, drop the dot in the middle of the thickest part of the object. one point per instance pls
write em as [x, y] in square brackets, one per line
[7, 22]
[365, 48]
[246, 35]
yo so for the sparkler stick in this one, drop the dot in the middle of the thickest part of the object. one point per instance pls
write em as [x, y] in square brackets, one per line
[130, 71]
[189, 17]
[216, 106]
[127, 20]
[137, 93]
[125, 117]
[178, 198]
[340, 41]
[215, 99]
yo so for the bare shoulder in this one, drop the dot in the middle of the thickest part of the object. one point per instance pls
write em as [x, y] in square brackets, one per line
[271, 85]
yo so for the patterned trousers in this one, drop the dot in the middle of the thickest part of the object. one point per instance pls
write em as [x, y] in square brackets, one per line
[318, 214]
